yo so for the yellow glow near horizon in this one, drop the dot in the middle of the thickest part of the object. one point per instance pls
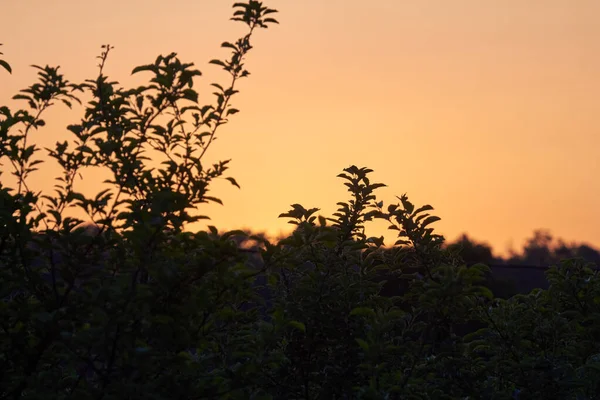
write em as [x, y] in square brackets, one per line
[485, 110]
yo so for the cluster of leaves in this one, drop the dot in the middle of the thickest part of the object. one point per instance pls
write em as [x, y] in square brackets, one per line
[544, 344]
[141, 308]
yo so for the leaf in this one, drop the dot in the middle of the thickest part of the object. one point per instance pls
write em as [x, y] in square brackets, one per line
[141, 68]
[298, 325]
[430, 220]
[233, 182]
[6, 66]
[481, 268]
[190, 94]
[363, 312]
[364, 345]
[213, 199]
[228, 45]
[57, 216]
[426, 207]
[217, 62]
[377, 186]
[485, 292]
[22, 97]
[236, 232]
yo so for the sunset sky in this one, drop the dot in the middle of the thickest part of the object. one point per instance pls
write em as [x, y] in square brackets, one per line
[486, 110]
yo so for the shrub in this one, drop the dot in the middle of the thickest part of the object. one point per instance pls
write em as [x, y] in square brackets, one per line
[160, 315]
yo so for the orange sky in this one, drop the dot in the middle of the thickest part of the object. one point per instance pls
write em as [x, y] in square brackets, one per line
[484, 109]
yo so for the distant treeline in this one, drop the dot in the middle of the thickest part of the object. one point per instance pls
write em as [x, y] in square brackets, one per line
[541, 250]
[522, 271]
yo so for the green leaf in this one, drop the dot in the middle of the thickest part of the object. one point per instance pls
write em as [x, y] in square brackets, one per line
[363, 312]
[364, 345]
[485, 292]
[298, 325]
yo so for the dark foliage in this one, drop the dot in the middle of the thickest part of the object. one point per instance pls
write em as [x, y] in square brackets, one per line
[135, 307]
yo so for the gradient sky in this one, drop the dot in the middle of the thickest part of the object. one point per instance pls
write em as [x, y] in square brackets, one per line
[486, 110]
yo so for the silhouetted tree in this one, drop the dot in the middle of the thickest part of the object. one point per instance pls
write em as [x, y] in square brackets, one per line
[471, 252]
[543, 251]
[539, 250]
